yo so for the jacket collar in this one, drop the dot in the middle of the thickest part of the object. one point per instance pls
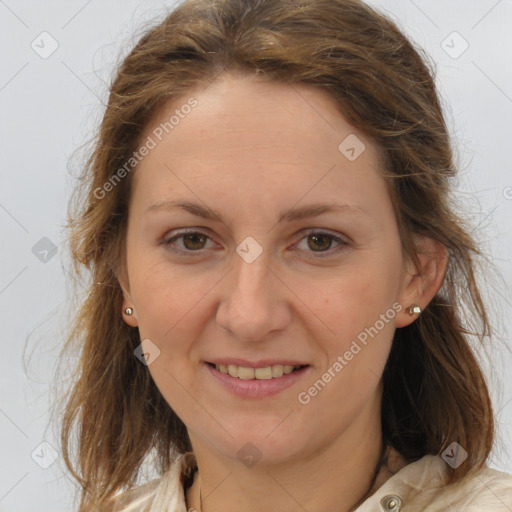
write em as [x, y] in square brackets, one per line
[396, 485]
[401, 488]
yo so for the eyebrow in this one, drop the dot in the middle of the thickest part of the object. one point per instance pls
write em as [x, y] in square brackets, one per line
[290, 215]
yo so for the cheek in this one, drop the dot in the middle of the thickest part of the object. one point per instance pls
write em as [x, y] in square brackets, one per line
[355, 335]
[167, 295]
[353, 300]
[357, 308]
[172, 308]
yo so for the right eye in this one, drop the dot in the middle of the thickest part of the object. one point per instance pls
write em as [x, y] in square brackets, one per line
[190, 241]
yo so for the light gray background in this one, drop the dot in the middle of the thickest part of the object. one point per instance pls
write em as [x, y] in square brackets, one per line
[50, 106]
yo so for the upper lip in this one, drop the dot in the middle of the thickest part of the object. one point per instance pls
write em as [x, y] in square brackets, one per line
[263, 363]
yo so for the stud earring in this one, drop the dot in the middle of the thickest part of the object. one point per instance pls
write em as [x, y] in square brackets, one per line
[414, 310]
[128, 311]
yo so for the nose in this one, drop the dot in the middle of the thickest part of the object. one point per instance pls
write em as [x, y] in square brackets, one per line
[254, 303]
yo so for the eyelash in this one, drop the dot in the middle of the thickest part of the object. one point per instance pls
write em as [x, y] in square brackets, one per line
[320, 254]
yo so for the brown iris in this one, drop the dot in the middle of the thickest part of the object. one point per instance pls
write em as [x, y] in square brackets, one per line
[194, 241]
[321, 242]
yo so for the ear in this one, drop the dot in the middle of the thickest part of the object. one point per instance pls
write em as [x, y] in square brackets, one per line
[422, 279]
[122, 277]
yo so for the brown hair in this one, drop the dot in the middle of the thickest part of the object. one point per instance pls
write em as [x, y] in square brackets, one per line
[434, 389]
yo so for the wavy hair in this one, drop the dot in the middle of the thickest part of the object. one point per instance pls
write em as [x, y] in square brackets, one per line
[434, 390]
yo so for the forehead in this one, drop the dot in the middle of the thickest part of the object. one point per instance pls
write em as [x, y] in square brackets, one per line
[250, 135]
[242, 111]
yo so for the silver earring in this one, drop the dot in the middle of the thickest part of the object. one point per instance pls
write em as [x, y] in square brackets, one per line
[414, 310]
[128, 311]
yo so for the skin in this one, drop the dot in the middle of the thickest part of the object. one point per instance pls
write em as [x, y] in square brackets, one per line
[250, 150]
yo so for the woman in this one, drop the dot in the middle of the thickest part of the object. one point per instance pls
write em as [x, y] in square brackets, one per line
[282, 293]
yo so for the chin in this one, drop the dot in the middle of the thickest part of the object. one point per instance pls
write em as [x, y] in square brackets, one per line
[264, 441]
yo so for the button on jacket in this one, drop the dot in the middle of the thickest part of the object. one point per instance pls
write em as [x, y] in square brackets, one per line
[417, 487]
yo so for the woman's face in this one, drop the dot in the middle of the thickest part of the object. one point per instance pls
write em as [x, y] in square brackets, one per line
[261, 237]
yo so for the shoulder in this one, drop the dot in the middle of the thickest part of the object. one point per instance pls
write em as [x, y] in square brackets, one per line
[138, 499]
[485, 489]
[422, 485]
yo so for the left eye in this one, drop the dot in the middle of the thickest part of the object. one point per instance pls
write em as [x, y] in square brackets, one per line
[319, 242]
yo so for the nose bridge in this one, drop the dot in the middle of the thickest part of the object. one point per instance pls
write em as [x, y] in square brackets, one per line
[250, 284]
[251, 305]
[251, 264]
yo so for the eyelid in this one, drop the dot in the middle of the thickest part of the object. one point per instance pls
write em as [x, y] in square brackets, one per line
[324, 231]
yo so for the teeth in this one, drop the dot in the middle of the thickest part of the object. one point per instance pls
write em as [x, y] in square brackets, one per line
[245, 373]
[268, 372]
[263, 373]
[232, 370]
[277, 371]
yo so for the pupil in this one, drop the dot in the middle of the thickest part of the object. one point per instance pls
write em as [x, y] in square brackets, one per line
[317, 239]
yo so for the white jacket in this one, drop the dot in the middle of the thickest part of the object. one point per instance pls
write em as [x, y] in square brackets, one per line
[417, 487]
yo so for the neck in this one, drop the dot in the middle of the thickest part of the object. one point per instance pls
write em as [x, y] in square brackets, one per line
[337, 477]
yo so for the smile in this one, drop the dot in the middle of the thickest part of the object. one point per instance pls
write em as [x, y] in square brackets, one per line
[258, 381]
[275, 371]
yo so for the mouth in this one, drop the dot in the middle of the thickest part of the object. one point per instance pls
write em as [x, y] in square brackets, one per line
[275, 371]
[261, 380]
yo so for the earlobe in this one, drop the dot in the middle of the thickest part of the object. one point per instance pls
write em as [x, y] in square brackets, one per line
[423, 279]
[128, 312]
[414, 309]
[129, 315]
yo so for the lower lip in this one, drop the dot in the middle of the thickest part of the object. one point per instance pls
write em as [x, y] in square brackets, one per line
[256, 388]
